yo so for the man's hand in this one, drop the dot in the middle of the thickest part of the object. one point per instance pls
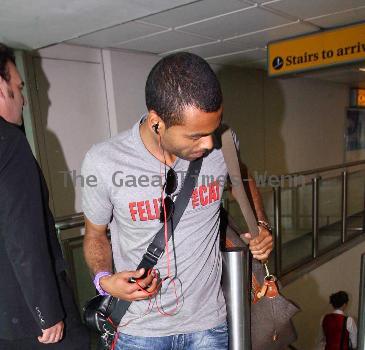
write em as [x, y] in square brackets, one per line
[262, 245]
[52, 334]
[118, 285]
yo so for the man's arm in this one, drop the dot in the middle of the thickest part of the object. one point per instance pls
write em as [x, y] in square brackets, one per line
[98, 210]
[257, 200]
[251, 189]
[98, 256]
[24, 234]
[97, 249]
[262, 245]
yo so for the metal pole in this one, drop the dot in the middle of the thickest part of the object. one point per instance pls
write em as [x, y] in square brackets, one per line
[236, 288]
[361, 318]
[363, 213]
[277, 221]
[344, 207]
[315, 186]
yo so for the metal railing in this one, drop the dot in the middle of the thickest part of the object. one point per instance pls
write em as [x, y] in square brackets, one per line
[323, 197]
[69, 246]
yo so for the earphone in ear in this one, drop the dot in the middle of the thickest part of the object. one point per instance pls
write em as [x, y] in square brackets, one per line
[155, 127]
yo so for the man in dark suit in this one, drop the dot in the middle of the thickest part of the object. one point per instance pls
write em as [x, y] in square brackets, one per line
[37, 310]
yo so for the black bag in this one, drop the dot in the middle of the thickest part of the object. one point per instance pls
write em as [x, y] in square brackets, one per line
[97, 312]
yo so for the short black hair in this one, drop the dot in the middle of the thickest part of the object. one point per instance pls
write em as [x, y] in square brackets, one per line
[339, 299]
[178, 81]
[6, 56]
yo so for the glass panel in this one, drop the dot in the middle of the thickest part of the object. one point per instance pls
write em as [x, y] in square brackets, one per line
[79, 273]
[296, 225]
[234, 210]
[355, 203]
[329, 213]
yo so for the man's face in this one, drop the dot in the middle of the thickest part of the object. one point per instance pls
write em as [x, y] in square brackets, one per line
[12, 96]
[194, 138]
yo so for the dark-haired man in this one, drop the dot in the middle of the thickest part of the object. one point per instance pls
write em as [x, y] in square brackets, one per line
[35, 300]
[338, 332]
[184, 102]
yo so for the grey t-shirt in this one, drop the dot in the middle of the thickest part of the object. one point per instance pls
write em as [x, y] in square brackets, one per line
[126, 196]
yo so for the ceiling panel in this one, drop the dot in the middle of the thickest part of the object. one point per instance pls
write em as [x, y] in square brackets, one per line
[162, 42]
[117, 34]
[340, 19]
[239, 58]
[249, 20]
[254, 2]
[223, 31]
[43, 22]
[262, 38]
[195, 12]
[212, 49]
[261, 64]
[311, 8]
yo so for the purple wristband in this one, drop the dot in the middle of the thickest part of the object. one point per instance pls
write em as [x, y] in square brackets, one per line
[97, 281]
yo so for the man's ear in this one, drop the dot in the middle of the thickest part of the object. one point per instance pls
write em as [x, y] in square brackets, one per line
[153, 119]
[3, 87]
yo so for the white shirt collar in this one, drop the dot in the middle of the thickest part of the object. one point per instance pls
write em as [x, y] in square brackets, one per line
[338, 311]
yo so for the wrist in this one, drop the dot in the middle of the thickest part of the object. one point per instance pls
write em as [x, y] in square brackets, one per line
[98, 281]
[264, 224]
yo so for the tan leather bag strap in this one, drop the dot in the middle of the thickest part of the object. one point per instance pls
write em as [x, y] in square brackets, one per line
[238, 190]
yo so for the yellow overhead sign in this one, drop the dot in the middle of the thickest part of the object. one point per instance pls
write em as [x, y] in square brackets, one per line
[361, 97]
[319, 50]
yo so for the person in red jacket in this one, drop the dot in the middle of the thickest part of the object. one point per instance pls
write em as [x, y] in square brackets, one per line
[338, 331]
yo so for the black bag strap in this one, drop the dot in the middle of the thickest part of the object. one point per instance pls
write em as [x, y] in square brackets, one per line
[342, 343]
[157, 246]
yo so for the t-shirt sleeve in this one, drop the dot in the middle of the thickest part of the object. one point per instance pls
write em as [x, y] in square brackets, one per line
[352, 329]
[96, 202]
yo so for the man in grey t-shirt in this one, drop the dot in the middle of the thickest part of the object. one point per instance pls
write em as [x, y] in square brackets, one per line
[183, 307]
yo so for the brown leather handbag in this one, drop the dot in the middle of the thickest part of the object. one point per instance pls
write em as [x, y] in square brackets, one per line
[271, 313]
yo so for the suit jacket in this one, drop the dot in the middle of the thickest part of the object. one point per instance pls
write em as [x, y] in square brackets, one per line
[30, 254]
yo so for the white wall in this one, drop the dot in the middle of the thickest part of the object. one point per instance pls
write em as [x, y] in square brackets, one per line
[311, 292]
[312, 115]
[285, 125]
[244, 112]
[70, 115]
[127, 73]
